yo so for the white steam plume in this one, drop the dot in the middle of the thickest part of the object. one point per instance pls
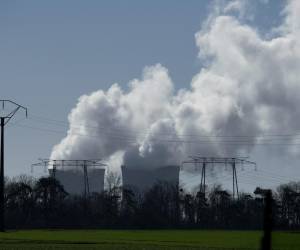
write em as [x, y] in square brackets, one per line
[249, 86]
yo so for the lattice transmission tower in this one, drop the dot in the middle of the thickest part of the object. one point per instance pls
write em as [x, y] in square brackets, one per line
[53, 165]
[5, 117]
[203, 162]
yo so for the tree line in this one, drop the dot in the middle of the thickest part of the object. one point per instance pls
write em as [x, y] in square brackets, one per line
[43, 203]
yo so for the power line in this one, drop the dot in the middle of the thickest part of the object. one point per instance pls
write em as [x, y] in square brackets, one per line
[64, 123]
[258, 174]
[135, 140]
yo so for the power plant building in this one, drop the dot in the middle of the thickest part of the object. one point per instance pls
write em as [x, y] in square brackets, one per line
[139, 179]
[73, 180]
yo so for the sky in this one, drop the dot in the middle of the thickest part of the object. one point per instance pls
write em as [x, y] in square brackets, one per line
[53, 52]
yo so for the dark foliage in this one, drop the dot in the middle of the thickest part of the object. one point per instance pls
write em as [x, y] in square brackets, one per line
[43, 203]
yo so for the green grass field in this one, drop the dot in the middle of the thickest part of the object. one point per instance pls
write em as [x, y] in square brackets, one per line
[143, 239]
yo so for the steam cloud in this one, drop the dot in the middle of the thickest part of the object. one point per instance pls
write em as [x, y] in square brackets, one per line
[249, 86]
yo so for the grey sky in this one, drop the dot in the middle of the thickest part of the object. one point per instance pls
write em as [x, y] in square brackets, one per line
[52, 52]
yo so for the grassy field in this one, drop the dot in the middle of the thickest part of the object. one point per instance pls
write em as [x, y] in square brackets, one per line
[143, 239]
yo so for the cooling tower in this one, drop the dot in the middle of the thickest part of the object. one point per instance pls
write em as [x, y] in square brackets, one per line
[143, 179]
[73, 180]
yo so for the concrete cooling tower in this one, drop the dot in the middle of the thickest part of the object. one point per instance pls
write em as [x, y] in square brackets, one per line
[143, 179]
[73, 180]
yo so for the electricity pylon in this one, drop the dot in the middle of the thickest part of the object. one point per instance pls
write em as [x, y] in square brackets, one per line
[4, 119]
[84, 164]
[233, 161]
